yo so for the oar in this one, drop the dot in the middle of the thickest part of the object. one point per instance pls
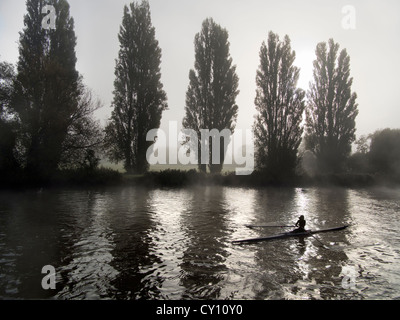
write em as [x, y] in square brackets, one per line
[323, 245]
[266, 226]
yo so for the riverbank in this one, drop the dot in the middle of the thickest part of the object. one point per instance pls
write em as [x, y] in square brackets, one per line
[184, 178]
[63, 178]
[179, 178]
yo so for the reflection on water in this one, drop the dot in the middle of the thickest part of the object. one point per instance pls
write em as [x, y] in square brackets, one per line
[205, 226]
[88, 274]
[135, 243]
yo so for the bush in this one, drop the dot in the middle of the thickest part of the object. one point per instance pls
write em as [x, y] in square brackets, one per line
[85, 177]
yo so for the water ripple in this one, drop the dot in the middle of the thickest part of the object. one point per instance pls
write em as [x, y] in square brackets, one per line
[134, 243]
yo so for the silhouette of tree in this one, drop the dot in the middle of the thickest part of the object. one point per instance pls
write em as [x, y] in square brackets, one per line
[384, 154]
[84, 135]
[48, 89]
[332, 108]
[212, 91]
[359, 161]
[139, 99]
[280, 105]
[8, 125]
[362, 144]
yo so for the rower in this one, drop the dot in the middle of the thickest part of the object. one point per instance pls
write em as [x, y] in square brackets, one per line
[300, 224]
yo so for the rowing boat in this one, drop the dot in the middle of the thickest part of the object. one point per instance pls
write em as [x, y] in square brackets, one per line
[288, 235]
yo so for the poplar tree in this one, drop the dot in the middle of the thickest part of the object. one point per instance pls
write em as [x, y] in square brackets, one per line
[212, 91]
[48, 88]
[332, 108]
[139, 98]
[280, 106]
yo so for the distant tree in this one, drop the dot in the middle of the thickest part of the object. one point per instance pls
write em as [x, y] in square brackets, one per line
[7, 78]
[332, 108]
[90, 161]
[85, 135]
[359, 161]
[212, 91]
[280, 106]
[362, 144]
[384, 154]
[49, 91]
[8, 125]
[139, 98]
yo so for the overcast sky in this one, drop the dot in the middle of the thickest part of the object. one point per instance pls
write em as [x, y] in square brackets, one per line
[373, 46]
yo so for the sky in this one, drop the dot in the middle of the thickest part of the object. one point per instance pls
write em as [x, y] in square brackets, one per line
[370, 32]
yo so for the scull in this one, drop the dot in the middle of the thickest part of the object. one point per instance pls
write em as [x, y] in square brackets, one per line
[288, 235]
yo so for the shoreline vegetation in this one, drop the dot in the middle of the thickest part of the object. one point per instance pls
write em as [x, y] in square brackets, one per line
[178, 178]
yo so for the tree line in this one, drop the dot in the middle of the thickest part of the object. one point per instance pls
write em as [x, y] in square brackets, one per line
[46, 111]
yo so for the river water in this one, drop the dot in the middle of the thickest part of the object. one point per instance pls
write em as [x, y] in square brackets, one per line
[137, 243]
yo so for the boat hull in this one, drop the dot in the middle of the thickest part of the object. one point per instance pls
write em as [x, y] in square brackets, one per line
[289, 235]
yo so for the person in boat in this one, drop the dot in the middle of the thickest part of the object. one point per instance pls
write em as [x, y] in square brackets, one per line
[300, 224]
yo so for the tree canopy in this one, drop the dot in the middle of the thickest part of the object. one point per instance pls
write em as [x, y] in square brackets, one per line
[280, 106]
[332, 108]
[51, 106]
[212, 92]
[139, 98]
[384, 154]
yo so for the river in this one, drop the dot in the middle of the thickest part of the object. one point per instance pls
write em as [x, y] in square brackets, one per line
[136, 243]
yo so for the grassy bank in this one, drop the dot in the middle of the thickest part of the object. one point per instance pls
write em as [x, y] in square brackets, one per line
[84, 177]
[63, 178]
[183, 178]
